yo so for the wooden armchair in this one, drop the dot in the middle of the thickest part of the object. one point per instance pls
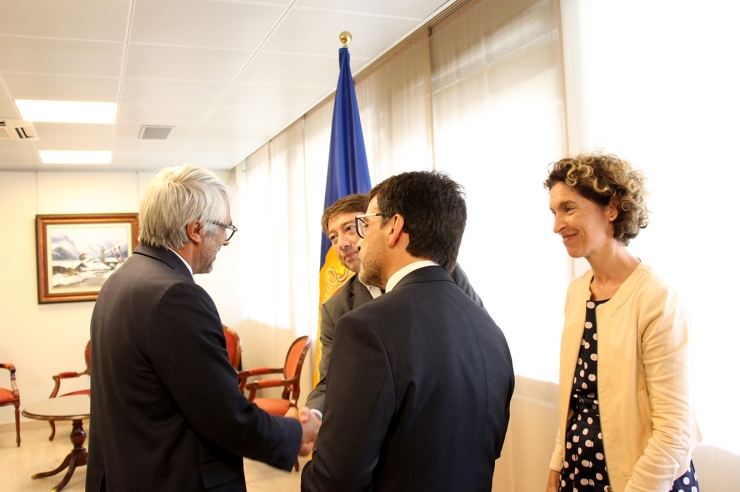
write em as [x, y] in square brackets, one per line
[12, 397]
[68, 375]
[290, 381]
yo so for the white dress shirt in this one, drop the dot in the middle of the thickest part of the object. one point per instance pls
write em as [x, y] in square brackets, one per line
[190, 269]
[396, 277]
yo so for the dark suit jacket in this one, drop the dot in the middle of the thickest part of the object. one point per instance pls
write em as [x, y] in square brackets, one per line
[349, 297]
[166, 411]
[417, 397]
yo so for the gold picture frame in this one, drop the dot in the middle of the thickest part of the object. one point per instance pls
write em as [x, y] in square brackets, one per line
[77, 253]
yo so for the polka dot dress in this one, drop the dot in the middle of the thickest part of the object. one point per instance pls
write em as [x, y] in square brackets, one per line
[584, 468]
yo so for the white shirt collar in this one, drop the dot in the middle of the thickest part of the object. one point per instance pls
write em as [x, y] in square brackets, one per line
[374, 291]
[190, 269]
[396, 277]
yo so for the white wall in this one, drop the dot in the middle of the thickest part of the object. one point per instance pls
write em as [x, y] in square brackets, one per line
[46, 339]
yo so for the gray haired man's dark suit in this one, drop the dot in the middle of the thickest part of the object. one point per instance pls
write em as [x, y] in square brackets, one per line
[166, 411]
[349, 297]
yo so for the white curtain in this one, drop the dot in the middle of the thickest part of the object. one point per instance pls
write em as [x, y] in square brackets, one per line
[498, 122]
[317, 132]
[395, 104]
[277, 292]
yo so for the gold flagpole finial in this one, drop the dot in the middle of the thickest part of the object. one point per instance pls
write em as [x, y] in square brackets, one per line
[345, 37]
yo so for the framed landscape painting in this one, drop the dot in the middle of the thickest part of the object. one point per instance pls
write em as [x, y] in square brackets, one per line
[77, 253]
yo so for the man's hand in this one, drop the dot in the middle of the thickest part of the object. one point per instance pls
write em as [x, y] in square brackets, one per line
[292, 412]
[311, 424]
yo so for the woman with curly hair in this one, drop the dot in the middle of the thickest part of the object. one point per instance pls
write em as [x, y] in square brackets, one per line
[625, 412]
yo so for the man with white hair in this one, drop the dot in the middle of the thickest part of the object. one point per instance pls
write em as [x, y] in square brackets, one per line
[166, 411]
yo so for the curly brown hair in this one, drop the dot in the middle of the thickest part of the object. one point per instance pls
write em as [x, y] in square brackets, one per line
[602, 178]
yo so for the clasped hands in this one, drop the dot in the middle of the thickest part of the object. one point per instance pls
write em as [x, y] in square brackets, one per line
[310, 422]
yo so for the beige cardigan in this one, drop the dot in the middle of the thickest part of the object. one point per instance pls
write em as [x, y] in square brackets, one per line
[647, 422]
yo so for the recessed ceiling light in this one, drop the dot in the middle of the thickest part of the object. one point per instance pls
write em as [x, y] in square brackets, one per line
[67, 111]
[75, 157]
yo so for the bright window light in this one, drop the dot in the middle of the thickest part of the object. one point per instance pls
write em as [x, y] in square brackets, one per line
[67, 111]
[75, 157]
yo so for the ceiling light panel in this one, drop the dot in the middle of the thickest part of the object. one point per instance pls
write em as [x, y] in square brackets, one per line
[67, 111]
[74, 157]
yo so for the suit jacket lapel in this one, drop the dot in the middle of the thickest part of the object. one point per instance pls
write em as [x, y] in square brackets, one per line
[359, 294]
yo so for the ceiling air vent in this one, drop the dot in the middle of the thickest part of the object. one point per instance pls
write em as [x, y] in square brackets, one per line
[151, 132]
[17, 130]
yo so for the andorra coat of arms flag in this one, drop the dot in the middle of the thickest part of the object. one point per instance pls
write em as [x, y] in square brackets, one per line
[348, 173]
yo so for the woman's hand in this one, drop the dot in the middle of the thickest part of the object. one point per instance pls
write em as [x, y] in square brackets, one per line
[553, 482]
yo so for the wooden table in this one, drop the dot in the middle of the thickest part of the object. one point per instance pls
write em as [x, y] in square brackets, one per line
[74, 408]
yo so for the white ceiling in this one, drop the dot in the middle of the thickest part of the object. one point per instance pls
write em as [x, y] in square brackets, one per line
[228, 74]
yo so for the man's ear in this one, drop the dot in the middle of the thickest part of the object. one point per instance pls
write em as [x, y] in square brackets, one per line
[195, 231]
[396, 230]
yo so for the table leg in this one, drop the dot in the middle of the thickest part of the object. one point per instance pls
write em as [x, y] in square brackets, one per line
[78, 456]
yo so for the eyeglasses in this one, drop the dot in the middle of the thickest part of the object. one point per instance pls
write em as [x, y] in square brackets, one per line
[361, 223]
[232, 228]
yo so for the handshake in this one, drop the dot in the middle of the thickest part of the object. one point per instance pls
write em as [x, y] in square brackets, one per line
[310, 422]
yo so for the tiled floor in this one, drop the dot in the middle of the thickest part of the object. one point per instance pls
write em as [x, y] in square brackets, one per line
[38, 454]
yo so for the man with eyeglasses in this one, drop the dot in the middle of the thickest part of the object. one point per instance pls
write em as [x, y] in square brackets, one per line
[166, 411]
[338, 223]
[420, 381]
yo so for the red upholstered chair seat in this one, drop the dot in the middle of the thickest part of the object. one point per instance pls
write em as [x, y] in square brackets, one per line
[273, 406]
[6, 396]
[12, 397]
[290, 379]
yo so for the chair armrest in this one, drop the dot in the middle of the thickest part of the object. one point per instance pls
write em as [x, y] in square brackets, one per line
[259, 371]
[255, 371]
[67, 375]
[265, 383]
[13, 385]
[58, 380]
